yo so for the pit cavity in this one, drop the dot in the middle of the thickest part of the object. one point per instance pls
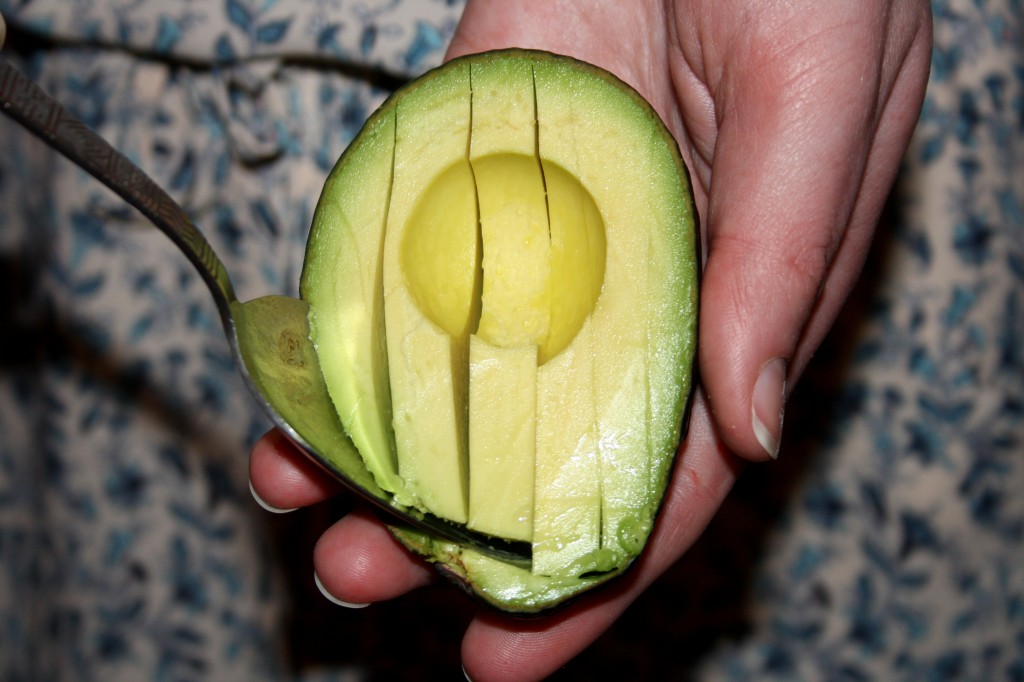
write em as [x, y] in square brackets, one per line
[526, 268]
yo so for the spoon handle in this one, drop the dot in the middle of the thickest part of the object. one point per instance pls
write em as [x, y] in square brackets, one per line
[48, 119]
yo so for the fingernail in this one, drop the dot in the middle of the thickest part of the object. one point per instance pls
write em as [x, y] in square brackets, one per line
[768, 405]
[331, 598]
[269, 507]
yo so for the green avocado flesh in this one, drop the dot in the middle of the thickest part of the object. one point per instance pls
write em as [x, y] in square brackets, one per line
[502, 280]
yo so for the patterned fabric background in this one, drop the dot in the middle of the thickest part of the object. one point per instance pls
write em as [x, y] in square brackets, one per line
[887, 542]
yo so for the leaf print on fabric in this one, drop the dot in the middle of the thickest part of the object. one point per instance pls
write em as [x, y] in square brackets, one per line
[917, 535]
[223, 50]
[126, 486]
[826, 506]
[428, 40]
[272, 32]
[327, 38]
[368, 39]
[168, 34]
[89, 233]
[972, 239]
[238, 14]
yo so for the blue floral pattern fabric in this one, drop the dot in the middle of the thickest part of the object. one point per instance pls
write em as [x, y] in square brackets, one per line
[130, 548]
[887, 542]
[400, 37]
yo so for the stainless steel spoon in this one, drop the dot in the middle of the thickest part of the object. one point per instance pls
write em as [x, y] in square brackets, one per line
[269, 336]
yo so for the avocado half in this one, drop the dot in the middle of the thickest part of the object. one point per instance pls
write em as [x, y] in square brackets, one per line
[502, 276]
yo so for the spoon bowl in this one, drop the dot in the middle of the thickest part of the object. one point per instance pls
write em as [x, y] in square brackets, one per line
[269, 336]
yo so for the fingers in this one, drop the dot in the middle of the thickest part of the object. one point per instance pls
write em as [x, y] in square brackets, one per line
[496, 648]
[797, 123]
[359, 562]
[282, 478]
[356, 560]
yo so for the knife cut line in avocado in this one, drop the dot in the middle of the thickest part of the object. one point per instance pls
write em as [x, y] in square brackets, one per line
[536, 147]
[538, 278]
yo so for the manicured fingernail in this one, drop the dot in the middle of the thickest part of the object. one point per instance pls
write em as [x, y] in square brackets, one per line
[269, 507]
[331, 598]
[768, 405]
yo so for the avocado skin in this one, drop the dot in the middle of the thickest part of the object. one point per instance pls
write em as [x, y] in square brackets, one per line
[510, 588]
[504, 587]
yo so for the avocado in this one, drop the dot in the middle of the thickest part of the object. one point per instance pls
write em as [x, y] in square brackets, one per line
[502, 277]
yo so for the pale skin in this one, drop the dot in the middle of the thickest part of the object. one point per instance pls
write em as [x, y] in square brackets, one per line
[792, 118]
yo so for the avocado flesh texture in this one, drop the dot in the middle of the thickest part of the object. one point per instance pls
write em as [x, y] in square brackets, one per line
[609, 401]
[502, 442]
[432, 197]
[340, 281]
[620, 366]
[515, 300]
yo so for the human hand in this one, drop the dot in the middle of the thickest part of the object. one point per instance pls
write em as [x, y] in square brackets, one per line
[792, 118]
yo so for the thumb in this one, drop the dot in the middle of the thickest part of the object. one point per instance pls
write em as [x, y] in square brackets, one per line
[783, 253]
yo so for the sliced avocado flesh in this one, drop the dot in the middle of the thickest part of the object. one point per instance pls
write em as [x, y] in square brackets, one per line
[515, 300]
[596, 131]
[502, 442]
[567, 512]
[341, 282]
[432, 198]
[534, 265]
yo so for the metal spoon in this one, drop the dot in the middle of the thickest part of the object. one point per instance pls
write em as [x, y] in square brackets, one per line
[269, 336]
